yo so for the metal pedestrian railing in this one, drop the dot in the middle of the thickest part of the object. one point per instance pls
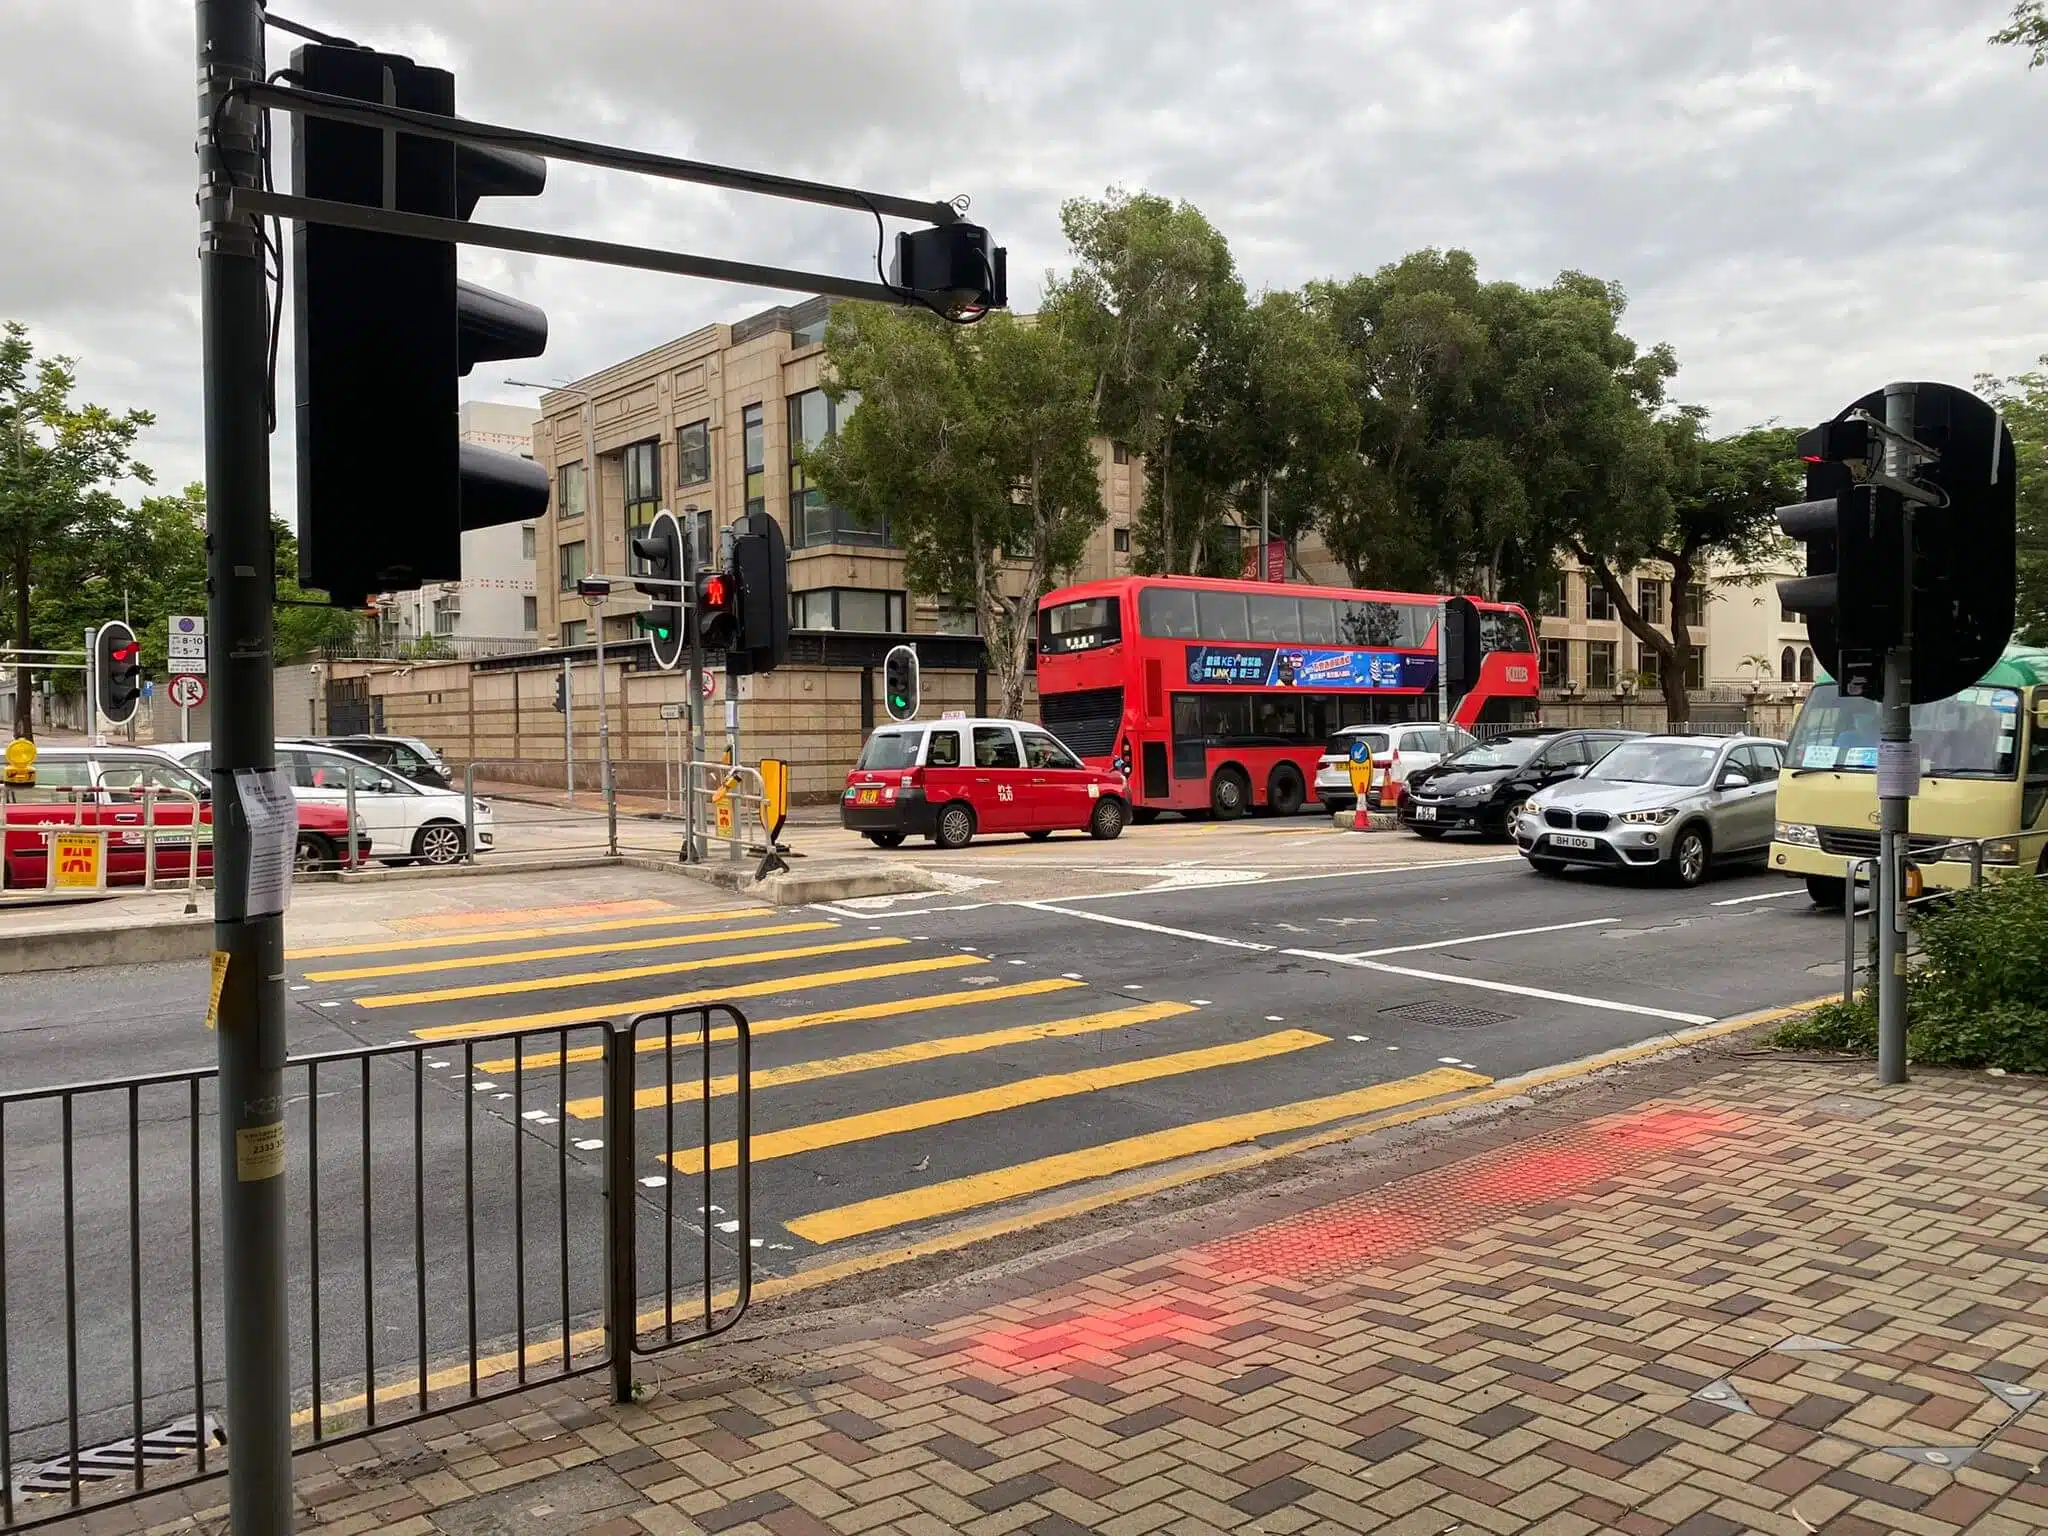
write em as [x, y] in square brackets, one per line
[129, 819]
[1858, 959]
[468, 1217]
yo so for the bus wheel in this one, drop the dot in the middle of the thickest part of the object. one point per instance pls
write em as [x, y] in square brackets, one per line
[1144, 815]
[1285, 792]
[1827, 891]
[1230, 794]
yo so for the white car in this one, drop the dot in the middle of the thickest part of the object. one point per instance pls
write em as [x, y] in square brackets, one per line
[406, 822]
[1397, 751]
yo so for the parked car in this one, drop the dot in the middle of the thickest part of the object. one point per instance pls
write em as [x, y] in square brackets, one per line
[1397, 752]
[406, 822]
[406, 756]
[952, 779]
[1676, 804]
[1481, 787]
[101, 787]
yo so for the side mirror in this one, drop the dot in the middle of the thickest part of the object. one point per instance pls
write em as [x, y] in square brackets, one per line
[1733, 779]
[1579, 771]
[385, 787]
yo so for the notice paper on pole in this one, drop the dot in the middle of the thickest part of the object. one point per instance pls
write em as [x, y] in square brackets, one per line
[1898, 770]
[273, 817]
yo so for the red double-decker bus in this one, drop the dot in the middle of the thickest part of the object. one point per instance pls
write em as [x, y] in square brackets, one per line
[1220, 695]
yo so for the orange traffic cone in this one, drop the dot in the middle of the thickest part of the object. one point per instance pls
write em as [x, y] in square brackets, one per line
[1361, 819]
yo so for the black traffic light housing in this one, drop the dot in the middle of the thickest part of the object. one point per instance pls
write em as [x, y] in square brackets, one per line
[901, 683]
[1461, 647]
[561, 695]
[660, 553]
[760, 568]
[955, 267]
[382, 332]
[117, 671]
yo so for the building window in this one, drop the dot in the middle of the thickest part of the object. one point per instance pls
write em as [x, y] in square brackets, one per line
[754, 441]
[1599, 661]
[529, 614]
[1557, 666]
[1695, 667]
[1119, 452]
[1805, 664]
[641, 464]
[572, 566]
[693, 453]
[575, 493]
[575, 632]
[1556, 597]
[815, 418]
[959, 621]
[1650, 601]
[1786, 665]
[446, 611]
[1597, 605]
[1649, 666]
[1121, 540]
[1696, 606]
[526, 542]
[853, 608]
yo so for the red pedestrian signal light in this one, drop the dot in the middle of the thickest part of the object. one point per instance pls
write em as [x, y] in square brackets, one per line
[717, 620]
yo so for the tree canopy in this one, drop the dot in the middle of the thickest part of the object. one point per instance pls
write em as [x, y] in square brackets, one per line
[2024, 399]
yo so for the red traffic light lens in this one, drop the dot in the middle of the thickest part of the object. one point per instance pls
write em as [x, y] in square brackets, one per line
[714, 591]
[127, 654]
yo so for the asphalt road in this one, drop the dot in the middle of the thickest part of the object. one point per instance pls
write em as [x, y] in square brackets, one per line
[916, 1062]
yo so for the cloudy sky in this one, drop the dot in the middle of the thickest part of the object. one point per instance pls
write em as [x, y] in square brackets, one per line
[1803, 206]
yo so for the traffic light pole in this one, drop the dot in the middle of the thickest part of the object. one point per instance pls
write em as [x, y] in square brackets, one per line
[92, 684]
[695, 849]
[1896, 778]
[250, 1032]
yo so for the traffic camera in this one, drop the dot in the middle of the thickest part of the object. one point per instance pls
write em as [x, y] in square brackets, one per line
[382, 332]
[900, 683]
[117, 671]
[660, 553]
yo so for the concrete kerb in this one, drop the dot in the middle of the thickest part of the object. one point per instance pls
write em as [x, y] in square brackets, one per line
[796, 887]
[77, 946]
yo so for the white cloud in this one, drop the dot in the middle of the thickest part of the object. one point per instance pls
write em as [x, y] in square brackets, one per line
[1802, 207]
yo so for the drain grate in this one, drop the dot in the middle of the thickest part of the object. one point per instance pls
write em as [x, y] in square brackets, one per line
[181, 1437]
[1447, 1015]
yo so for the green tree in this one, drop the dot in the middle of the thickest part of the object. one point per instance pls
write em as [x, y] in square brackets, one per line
[59, 462]
[1153, 289]
[303, 620]
[2024, 399]
[2027, 28]
[974, 442]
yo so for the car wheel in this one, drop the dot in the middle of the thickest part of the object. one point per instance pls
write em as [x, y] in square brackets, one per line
[1144, 815]
[1514, 815]
[1230, 795]
[314, 852]
[1039, 836]
[1827, 892]
[885, 839]
[438, 842]
[1285, 792]
[955, 827]
[1690, 855]
[1108, 821]
[1547, 866]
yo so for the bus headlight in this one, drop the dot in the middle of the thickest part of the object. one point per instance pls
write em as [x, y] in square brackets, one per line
[1798, 834]
[1997, 850]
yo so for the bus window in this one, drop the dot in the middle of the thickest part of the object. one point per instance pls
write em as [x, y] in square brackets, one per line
[1321, 714]
[1222, 616]
[1372, 624]
[1168, 613]
[2035, 794]
[1225, 717]
[1276, 719]
[1502, 629]
[1080, 626]
[1318, 621]
[1275, 618]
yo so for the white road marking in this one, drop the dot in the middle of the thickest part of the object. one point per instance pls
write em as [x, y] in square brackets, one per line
[1274, 1018]
[1510, 988]
[590, 1145]
[1199, 1002]
[1481, 938]
[1737, 901]
[1159, 928]
[1070, 975]
[654, 1181]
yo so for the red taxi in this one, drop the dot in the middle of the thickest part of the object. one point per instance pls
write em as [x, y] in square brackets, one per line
[949, 780]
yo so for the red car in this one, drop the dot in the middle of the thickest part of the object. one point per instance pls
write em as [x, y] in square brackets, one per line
[100, 787]
[951, 779]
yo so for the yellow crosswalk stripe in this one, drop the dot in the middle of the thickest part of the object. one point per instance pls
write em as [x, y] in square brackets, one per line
[1019, 1180]
[973, 997]
[891, 1056]
[592, 1012]
[568, 951]
[625, 973]
[925, 1113]
[538, 931]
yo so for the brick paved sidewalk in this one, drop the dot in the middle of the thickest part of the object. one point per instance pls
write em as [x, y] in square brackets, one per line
[1780, 1300]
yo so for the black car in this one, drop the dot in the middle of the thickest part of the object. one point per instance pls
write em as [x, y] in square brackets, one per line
[1480, 788]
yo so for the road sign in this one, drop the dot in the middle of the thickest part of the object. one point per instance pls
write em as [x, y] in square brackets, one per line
[710, 685]
[187, 649]
[671, 711]
[188, 690]
[78, 860]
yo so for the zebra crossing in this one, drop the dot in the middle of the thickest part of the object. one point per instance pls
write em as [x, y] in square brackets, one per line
[896, 1081]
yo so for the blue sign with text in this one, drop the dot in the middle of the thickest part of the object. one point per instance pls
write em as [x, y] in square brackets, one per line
[1304, 667]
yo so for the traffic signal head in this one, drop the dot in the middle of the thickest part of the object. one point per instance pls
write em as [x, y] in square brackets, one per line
[561, 695]
[900, 683]
[382, 332]
[954, 266]
[660, 553]
[117, 667]
[760, 563]
[717, 615]
[1461, 649]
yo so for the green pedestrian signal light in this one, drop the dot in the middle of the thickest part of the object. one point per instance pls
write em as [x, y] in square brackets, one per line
[900, 682]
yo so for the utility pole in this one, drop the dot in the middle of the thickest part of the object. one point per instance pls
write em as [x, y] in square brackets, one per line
[692, 530]
[248, 945]
[1898, 772]
[569, 730]
[1265, 521]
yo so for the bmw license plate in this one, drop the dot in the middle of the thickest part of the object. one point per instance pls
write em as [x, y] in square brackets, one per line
[1570, 840]
[1425, 813]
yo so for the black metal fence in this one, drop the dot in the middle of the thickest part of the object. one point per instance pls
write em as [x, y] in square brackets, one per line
[468, 1217]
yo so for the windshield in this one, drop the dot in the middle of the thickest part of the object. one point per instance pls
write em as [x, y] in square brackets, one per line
[1507, 752]
[1974, 735]
[1339, 745]
[891, 749]
[1656, 762]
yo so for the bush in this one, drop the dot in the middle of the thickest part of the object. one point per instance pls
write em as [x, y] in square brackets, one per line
[1980, 992]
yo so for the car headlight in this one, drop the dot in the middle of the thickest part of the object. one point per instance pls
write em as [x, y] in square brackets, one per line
[1655, 818]
[1798, 833]
[1997, 850]
[1479, 792]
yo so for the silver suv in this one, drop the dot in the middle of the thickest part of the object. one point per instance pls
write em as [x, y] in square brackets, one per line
[1676, 804]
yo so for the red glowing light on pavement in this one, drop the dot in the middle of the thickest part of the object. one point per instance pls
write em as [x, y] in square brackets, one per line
[1096, 1336]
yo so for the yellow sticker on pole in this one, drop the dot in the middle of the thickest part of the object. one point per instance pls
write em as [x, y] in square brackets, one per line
[78, 860]
[259, 1152]
[220, 980]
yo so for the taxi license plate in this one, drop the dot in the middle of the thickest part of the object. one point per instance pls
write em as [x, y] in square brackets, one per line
[1570, 840]
[868, 797]
[1425, 813]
